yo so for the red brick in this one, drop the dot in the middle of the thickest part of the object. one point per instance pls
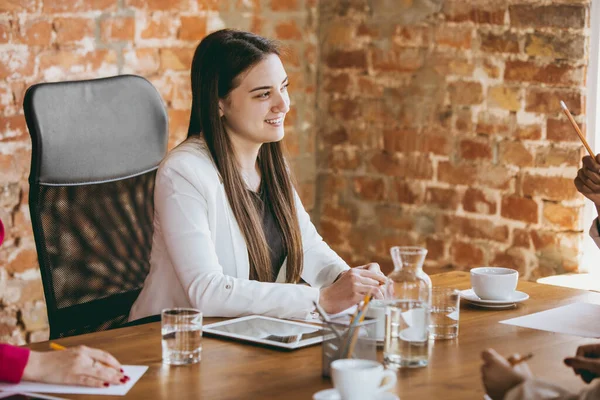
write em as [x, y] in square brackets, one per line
[37, 32]
[178, 59]
[555, 45]
[458, 37]
[336, 136]
[465, 93]
[436, 249]
[338, 83]
[14, 166]
[367, 188]
[547, 101]
[543, 239]
[6, 31]
[561, 216]
[475, 228]
[415, 166]
[446, 199]
[451, 64]
[158, 26]
[18, 6]
[549, 187]
[407, 140]
[288, 30]
[464, 120]
[480, 13]
[521, 238]
[411, 36]
[515, 153]
[551, 74]
[25, 258]
[13, 128]
[341, 213]
[561, 130]
[398, 60]
[555, 15]
[512, 258]
[506, 42]
[192, 28]
[165, 5]
[480, 202]
[528, 132]
[492, 66]
[505, 97]
[408, 192]
[344, 109]
[70, 30]
[284, 5]
[551, 156]
[519, 209]
[69, 61]
[179, 121]
[492, 176]
[344, 159]
[466, 254]
[72, 6]
[475, 150]
[116, 29]
[347, 59]
[368, 87]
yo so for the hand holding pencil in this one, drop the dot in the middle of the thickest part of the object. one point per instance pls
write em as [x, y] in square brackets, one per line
[500, 375]
[80, 366]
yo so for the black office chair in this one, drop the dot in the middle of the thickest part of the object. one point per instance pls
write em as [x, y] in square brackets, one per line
[96, 145]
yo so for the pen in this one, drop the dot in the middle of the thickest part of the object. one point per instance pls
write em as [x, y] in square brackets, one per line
[518, 360]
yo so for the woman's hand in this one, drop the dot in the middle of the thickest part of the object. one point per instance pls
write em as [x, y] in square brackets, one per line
[499, 376]
[81, 366]
[586, 363]
[351, 287]
[588, 179]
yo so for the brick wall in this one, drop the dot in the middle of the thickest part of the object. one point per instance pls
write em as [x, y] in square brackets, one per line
[440, 125]
[53, 40]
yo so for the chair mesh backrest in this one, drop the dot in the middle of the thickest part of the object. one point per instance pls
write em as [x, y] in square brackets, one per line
[93, 231]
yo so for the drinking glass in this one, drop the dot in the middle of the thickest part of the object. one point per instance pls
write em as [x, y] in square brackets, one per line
[181, 336]
[445, 309]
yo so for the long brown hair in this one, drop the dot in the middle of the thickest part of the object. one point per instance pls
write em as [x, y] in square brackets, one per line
[219, 59]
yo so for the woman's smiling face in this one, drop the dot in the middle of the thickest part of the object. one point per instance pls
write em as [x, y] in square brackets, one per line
[255, 110]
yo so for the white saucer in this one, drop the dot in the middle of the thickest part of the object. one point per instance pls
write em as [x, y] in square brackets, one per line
[516, 297]
[333, 394]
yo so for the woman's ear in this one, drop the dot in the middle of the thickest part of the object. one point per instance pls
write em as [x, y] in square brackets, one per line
[221, 106]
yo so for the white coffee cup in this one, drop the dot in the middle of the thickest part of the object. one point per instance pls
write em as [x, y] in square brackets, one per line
[376, 311]
[356, 379]
[494, 283]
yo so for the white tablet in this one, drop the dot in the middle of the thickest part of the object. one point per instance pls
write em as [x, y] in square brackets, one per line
[267, 331]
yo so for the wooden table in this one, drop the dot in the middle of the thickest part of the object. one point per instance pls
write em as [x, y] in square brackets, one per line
[232, 370]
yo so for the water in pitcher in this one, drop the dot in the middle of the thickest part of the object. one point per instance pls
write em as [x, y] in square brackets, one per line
[406, 334]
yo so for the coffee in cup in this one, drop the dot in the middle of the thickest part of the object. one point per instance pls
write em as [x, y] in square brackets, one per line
[494, 283]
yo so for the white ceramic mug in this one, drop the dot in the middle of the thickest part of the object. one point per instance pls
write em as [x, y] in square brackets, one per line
[376, 311]
[494, 283]
[356, 379]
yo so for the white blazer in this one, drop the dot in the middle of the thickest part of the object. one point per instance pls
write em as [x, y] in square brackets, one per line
[199, 257]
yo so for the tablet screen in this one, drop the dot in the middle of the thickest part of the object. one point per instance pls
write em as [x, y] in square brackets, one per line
[276, 332]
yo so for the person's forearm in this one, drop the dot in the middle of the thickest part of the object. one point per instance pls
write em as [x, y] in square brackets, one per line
[12, 362]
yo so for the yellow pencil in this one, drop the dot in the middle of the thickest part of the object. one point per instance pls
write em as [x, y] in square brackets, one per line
[56, 346]
[518, 360]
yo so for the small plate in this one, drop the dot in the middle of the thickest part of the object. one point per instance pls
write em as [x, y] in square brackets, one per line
[516, 297]
[333, 394]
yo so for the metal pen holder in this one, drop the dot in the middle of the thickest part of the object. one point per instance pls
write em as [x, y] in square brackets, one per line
[339, 344]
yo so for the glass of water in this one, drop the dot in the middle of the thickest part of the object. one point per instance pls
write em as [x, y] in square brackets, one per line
[181, 336]
[406, 334]
[445, 309]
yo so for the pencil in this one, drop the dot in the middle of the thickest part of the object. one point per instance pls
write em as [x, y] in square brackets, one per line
[360, 318]
[56, 346]
[518, 360]
[577, 130]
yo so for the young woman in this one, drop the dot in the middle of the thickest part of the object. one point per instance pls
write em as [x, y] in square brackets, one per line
[231, 236]
[75, 366]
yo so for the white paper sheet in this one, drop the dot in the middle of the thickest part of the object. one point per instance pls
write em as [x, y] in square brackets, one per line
[133, 371]
[577, 319]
